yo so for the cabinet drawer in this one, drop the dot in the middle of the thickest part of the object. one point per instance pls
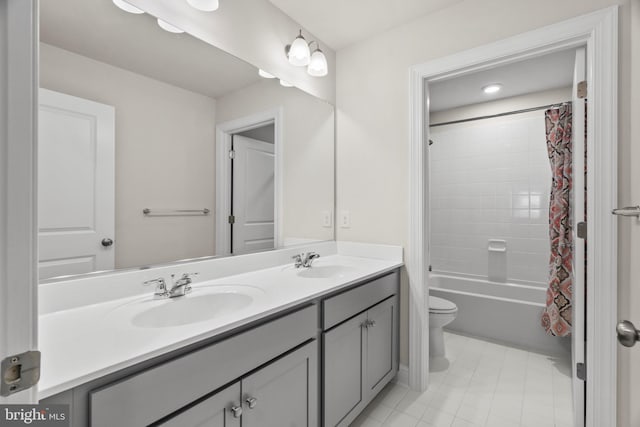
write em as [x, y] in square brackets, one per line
[347, 304]
[146, 397]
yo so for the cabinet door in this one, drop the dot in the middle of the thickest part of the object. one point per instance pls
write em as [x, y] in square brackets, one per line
[283, 393]
[343, 357]
[381, 345]
[215, 411]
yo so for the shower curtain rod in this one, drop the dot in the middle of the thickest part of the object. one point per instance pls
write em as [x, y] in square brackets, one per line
[508, 113]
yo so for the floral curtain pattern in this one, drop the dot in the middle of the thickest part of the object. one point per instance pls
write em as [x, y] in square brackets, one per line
[556, 318]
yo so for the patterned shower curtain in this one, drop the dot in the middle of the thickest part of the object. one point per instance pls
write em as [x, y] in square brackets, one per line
[556, 318]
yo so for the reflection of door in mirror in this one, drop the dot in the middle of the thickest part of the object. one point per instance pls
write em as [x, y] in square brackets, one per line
[252, 195]
[75, 185]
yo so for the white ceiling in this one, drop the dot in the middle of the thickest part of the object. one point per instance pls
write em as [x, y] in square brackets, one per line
[99, 30]
[547, 72]
[342, 22]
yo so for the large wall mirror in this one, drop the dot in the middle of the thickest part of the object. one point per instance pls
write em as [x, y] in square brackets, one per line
[156, 147]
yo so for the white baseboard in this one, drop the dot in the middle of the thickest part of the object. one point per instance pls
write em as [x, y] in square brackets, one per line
[403, 376]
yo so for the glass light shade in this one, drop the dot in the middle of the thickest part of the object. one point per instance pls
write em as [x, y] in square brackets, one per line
[168, 27]
[299, 54]
[204, 5]
[318, 64]
[285, 83]
[263, 73]
[127, 7]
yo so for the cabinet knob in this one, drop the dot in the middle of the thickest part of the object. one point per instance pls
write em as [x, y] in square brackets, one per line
[251, 402]
[372, 323]
[236, 411]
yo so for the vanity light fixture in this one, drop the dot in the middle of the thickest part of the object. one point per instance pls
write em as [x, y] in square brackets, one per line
[285, 83]
[318, 64]
[122, 4]
[263, 73]
[168, 27]
[298, 52]
[492, 88]
[204, 5]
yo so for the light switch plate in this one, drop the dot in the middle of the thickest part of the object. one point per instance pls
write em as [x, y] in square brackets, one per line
[345, 219]
[326, 219]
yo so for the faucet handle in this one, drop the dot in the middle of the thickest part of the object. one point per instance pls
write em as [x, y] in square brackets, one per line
[298, 260]
[159, 282]
[161, 286]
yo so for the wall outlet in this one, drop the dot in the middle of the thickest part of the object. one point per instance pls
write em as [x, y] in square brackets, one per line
[327, 219]
[345, 219]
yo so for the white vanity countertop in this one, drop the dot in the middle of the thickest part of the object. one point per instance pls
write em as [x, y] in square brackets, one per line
[84, 343]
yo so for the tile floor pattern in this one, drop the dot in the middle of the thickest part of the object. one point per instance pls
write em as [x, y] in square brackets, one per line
[485, 385]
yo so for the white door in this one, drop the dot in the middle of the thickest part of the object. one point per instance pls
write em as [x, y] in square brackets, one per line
[579, 213]
[75, 185]
[252, 195]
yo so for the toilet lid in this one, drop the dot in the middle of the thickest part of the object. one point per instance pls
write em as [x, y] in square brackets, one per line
[441, 305]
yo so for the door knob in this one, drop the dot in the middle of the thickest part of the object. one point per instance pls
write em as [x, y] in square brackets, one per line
[251, 402]
[106, 242]
[236, 411]
[627, 333]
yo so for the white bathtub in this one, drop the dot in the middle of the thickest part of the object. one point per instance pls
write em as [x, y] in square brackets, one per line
[504, 312]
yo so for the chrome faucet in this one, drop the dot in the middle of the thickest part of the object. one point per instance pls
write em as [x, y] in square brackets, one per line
[181, 286]
[305, 259]
[161, 287]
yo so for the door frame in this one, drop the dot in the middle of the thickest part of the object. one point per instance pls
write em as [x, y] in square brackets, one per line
[599, 32]
[224, 132]
[18, 197]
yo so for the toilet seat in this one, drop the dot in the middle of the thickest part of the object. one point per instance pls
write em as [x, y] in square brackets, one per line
[441, 306]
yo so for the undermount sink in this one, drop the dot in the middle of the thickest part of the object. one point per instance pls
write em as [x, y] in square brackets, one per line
[325, 271]
[204, 303]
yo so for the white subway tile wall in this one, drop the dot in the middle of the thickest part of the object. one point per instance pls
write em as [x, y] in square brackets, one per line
[490, 179]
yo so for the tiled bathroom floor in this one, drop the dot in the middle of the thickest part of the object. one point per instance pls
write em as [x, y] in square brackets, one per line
[485, 385]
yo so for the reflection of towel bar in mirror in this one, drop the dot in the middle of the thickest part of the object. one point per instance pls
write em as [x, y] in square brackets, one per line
[627, 211]
[173, 212]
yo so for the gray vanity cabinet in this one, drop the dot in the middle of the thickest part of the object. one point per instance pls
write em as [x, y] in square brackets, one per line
[360, 354]
[344, 352]
[283, 393]
[223, 409]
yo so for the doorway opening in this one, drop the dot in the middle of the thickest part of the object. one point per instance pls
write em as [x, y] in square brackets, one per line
[248, 184]
[598, 32]
[501, 153]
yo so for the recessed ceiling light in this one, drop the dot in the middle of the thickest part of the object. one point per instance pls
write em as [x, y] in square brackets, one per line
[204, 5]
[263, 73]
[285, 83]
[127, 7]
[168, 27]
[492, 88]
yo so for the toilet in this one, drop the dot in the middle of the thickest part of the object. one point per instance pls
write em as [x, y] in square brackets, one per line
[441, 313]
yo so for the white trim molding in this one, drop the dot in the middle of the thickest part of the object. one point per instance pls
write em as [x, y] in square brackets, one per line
[18, 180]
[599, 32]
[224, 131]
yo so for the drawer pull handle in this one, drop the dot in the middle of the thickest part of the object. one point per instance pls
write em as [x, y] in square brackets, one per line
[251, 402]
[236, 411]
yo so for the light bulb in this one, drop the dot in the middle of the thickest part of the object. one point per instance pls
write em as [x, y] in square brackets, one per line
[204, 5]
[127, 7]
[492, 88]
[285, 83]
[168, 27]
[318, 64]
[263, 73]
[299, 54]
